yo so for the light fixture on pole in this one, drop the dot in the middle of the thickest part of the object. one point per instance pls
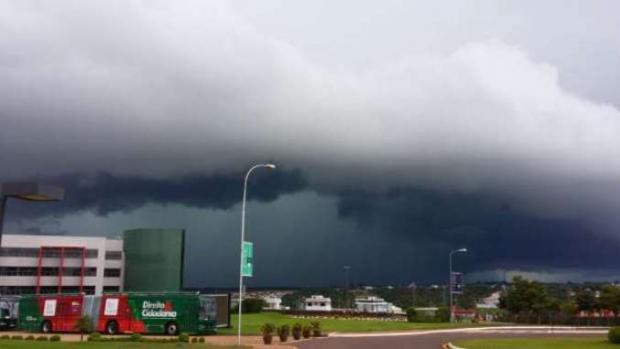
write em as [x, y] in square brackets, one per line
[28, 191]
[245, 188]
[460, 250]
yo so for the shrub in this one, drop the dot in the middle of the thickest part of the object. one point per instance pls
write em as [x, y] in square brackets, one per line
[252, 305]
[84, 325]
[283, 332]
[201, 340]
[412, 314]
[135, 337]
[55, 338]
[442, 314]
[614, 335]
[17, 337]
[42, 338]
[267, 331]
[184, 338]
[306, 332]
[94, 337]
[5, 336]
[316, 328]
[29, 338]
[297, 329]
[194, 339]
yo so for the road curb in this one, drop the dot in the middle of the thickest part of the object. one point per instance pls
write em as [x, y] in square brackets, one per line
[451, 346]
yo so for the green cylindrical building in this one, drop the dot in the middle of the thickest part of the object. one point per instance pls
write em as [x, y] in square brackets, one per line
[154, 259]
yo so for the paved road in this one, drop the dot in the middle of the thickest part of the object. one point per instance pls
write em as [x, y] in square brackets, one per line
[429, 340]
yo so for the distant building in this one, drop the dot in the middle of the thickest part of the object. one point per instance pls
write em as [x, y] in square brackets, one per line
[490, 302]
[272, 303]
[376, 305]
[488, 308]
[318, 303]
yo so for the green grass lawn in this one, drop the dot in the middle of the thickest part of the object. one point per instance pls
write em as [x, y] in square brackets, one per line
[252, 322]
[23, 344]
[538, 343]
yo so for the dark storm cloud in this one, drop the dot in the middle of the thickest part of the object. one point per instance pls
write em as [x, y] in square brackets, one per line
[452, 100]
[495, 233]
[105, 193]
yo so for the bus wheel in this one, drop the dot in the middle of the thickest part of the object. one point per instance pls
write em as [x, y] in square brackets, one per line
[111, 328]
[172, 329]
[46, 326]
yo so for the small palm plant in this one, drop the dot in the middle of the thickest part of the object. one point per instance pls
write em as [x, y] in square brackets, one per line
[283, 332]
[267, 331]
[84, 325]
[316, 328]
[306, 331]
[297, 328]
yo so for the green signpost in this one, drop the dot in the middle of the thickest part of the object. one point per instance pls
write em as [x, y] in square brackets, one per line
[248, 259]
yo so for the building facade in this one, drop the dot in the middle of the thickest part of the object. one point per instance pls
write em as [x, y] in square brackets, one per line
[154, 259]
[373, 304]
[60, 264]
[318, 303]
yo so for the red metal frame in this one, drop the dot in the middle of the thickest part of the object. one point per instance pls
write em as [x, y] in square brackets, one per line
[61, 265]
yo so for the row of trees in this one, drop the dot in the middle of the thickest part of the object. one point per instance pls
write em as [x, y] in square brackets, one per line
[530, 301]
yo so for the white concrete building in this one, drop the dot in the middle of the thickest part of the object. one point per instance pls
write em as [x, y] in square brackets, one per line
[53, 263]
[272, 303]
[490, 302]
[376, 305]
[318, 303]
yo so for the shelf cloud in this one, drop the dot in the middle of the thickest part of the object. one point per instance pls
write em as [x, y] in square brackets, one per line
[156, 99]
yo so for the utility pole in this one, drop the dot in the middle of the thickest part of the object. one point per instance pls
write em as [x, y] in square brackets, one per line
[346, 277]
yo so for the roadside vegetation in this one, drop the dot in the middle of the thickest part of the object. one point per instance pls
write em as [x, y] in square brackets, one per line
[538, 343]
[533, 302]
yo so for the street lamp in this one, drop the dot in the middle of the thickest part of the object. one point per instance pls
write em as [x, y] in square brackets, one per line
[460, 250]
[28, 191]
[245, 188]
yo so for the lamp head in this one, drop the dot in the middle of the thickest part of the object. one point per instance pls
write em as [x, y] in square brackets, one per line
[462, 249]
[271, 166]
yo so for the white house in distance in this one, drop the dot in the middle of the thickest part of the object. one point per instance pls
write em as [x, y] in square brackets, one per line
[272, 303]
[490, 302]
[373, 304]
[318, 303]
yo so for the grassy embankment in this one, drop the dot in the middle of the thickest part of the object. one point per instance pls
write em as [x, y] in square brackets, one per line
[251, 324]
[538, 343]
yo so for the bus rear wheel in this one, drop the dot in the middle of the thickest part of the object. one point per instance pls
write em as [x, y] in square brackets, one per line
[172, 329]
[46, 326]
[111, 328]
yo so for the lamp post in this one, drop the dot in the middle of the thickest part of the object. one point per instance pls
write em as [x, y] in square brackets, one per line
[245, 188]
[461, 250]
[28, 191]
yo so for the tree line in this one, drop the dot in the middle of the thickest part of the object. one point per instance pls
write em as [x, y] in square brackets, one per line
[532, 302]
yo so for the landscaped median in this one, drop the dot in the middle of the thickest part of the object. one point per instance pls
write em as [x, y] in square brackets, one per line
[537, 343]
[597, 342]
[251, 324]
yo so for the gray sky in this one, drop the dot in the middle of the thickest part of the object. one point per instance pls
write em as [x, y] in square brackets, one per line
[511, 99]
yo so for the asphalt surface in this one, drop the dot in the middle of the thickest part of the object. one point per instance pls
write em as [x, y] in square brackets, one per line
[423, 341]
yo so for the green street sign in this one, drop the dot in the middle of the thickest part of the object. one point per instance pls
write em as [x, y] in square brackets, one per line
[248, 259]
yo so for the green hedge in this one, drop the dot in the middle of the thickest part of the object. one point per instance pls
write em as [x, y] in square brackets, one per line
[614, 335]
